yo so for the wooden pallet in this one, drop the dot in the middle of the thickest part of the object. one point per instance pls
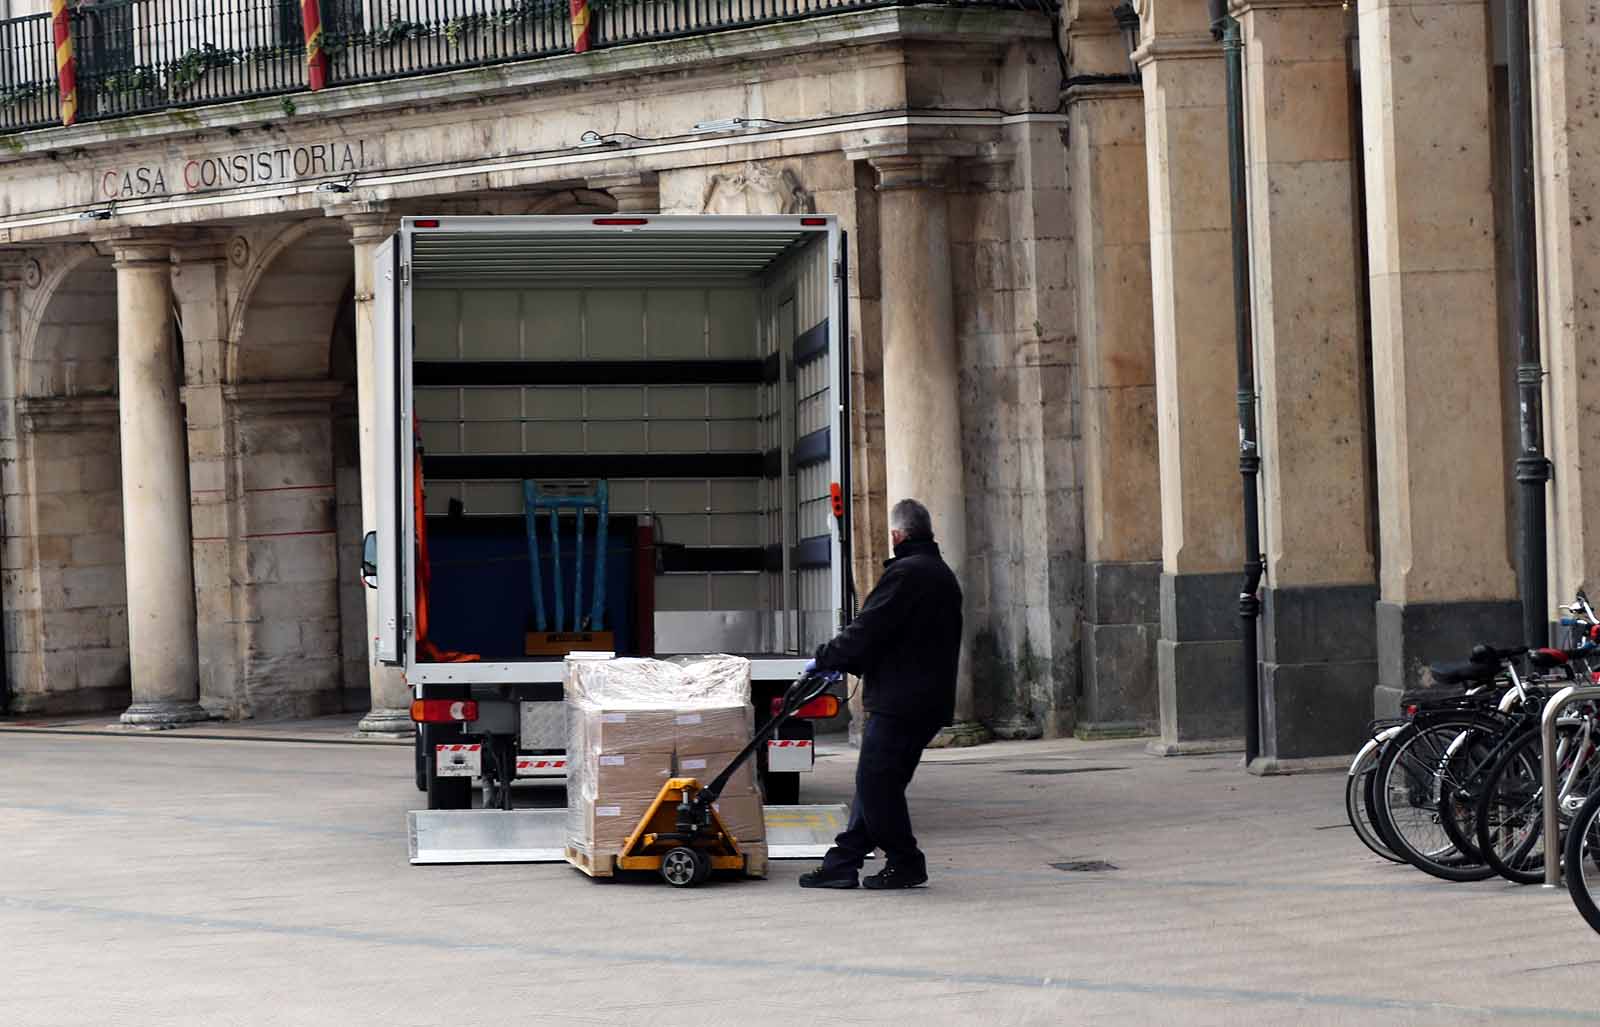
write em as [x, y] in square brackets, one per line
[602, 864]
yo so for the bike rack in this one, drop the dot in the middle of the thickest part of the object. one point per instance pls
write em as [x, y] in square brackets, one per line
[1547, 769]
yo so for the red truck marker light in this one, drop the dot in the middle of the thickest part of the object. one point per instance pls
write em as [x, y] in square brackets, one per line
[836, 497]
[820, 708]
[428, 223]
[621, 221]
[443, 711]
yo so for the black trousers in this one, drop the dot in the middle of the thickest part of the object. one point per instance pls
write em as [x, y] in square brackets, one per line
[891, 748]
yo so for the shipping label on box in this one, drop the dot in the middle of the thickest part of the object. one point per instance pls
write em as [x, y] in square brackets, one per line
[710, 765]
[713, 729]
[635, 731]
[629, 777]
[605, 825]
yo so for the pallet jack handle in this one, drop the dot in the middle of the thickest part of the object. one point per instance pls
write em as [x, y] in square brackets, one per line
[804, 689]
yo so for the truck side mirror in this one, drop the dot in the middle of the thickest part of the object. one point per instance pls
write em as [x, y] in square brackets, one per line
[369, 560]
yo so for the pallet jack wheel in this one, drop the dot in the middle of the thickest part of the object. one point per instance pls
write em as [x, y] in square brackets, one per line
[684, 867]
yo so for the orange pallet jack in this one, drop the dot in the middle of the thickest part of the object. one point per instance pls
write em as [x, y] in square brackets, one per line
[681, 837]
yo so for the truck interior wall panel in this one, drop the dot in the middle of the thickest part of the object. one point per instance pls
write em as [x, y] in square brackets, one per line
[518, 467]
[488, 373]
[583, 324]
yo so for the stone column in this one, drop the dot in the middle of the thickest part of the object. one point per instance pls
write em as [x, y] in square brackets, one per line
[1200, 654]
[1121, 468]
[391, 696]
[921, 371]
[155, 494]
[1318, 645]
[1446, 577]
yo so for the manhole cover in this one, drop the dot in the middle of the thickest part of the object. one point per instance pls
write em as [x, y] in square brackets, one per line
[1055, 771]
[1085, 866]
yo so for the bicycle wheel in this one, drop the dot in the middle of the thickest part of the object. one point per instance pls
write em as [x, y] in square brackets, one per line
[1358, 784]
[1510, 814]
[1583, 860]
[1471, 757]
[1412, 773]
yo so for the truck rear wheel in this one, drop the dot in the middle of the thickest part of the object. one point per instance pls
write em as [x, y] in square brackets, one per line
[443, 792]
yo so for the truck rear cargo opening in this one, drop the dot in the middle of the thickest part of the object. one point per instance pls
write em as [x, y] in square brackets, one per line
[632, 439]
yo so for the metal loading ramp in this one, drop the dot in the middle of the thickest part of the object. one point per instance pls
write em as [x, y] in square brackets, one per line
[539, 835]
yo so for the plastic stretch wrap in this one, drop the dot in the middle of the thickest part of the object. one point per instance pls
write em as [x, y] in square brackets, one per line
[636, 723]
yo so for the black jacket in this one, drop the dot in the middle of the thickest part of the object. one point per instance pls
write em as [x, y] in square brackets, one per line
[906, 641]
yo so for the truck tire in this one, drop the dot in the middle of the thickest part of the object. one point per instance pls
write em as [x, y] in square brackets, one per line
[443, 792]
[780, 789]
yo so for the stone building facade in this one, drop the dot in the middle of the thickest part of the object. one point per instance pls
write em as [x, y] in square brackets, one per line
[1042, 341]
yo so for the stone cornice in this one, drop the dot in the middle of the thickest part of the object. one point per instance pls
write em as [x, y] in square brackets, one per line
[67, 413]
[282, 398]
[1194, 46]
[1239, 8]
[515, 80]
[1089, 91]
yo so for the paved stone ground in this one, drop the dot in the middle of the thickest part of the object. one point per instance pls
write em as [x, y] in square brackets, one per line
[159, 880]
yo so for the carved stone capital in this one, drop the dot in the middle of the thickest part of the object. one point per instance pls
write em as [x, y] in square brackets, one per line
[912, 171]
[638, 193]
[1191, 46]
[19, 267]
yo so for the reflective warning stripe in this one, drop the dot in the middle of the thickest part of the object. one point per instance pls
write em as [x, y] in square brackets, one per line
[538, 764]
[788, 743]
[458, 748]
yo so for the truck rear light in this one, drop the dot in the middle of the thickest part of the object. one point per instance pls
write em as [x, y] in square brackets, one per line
[836, 497]
[820, 708]
[621, 221]
[814, 222]
[426, 223]
[443, 711]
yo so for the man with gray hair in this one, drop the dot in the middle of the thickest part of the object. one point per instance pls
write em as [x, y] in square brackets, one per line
[905, 644]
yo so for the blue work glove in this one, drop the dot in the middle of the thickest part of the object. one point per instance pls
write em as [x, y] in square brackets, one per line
[811, 667]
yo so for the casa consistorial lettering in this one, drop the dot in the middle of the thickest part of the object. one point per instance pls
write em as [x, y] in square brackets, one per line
[256, 166]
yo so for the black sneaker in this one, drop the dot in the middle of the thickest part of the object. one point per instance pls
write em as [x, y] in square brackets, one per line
[820, 878]
[895, 878]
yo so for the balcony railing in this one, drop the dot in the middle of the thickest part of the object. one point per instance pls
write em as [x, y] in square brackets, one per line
[134, 56]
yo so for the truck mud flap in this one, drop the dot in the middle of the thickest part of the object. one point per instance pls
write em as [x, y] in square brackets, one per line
[539, 835]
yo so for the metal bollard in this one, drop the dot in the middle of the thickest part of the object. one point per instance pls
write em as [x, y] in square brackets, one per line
[1547, 769]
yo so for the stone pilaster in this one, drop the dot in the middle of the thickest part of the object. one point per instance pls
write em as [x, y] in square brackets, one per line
[1121, 467]
[1446, 577]
[155, 494]
[391, 697]
[1318, 641]
[287, 547]
[1566, 69]
[200, 290]
[1199, 654]
[921, 369]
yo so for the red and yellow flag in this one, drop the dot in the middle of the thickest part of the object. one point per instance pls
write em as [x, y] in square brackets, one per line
[580, 25]
[66, 64]
[316, 57]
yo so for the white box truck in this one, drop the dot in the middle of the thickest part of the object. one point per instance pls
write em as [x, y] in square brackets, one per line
[631, 436]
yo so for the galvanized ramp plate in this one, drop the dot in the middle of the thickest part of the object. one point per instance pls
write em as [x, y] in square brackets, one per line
[803, 832]
[487, 836]
[539, 835]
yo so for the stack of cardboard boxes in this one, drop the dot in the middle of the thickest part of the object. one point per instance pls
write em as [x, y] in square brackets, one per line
[637, 723]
